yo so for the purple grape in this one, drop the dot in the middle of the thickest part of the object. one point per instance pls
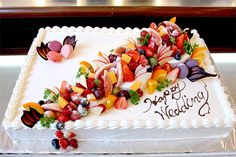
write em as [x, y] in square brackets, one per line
[183, 70]
[191, 63]
[99, 94]
[112, 58]
[123, 93]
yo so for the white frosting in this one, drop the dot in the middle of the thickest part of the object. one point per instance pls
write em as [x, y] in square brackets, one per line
[38, 74]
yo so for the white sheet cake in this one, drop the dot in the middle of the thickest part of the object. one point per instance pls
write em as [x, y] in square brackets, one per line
[184, 106]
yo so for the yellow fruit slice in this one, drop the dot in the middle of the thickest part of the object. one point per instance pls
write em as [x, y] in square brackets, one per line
[87, 65]
[126, 58]
[77, 89]
[91, 97]
[62, 102]
[198, 50]
[173, 19]
[33, 105]
[135, 86]
[110, 101]
[91, 75]
[113, 77]
[159, 75]
[151, 85]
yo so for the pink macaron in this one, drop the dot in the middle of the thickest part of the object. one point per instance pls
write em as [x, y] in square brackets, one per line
[66, 51]
[55, 46]
[54, 56]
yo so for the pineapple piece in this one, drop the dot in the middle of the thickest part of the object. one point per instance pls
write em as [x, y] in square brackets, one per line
[113, 77]
[110, 101]
[77, 90]
[135, 86]
[126, 58]
[91, 97]
[62, 102]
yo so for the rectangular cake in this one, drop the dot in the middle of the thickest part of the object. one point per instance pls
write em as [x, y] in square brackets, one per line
[106, 90]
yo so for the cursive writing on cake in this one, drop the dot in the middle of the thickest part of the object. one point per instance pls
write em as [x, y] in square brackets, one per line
[176, 102]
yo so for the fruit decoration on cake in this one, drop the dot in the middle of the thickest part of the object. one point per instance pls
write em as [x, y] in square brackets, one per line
[162, 54]
[55, 51]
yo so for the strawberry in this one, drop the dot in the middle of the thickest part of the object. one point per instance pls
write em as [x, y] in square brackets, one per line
[121, 103]
[167, 67]
[180, 42]
[142, 47]
[65, 90]
[149, 53]
[72, 106]
[74, 115]
[90, 83]
[153, 25]
[157, 68]
[64, 143]
[143, 60]
[152, 44]
[175, 49]
[75, 97]
[128, 74]
[67, 110]
[69, 134]
[143, 33]
[103, 107]
[133, 65]
[166, 39]
[73, 143]
[134, 55]
[80, 85]
[59, 134]
[173, 75]
[140, 92]
[63, 118]
[86, 92]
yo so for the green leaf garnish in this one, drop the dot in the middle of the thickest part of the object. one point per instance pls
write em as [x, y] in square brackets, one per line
[152, 62]
[134, 97]
[79, 72]
[115, 90]
[49, 95]
[172, 40]
[164, 84]
[144, 40]
[188, 48]
[97, 82]
[46, 122]
[111, 50]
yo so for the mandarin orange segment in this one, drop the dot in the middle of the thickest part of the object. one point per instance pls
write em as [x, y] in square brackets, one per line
[173, 19]
[87, 65]
[33, 105]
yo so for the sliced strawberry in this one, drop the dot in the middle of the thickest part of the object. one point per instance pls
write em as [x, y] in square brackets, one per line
[75, 97]
[152, 44]
[80, 85]
[134, 55]
[121, 103]
[133, 65]
[73, 143]
[65, 90]
[72, 105]
[142, 47]
[128, 74]
[143, 60]
[59, 134]
[69, 134]
[153, 25]
[64, 143]
[175, 49]
[75, 115]
[67, 110]
[86, 92]
[102, 106]
[167, 67]
[173, 75]
[63, 118]
[180, 42]
[90, 83]
[149, 53]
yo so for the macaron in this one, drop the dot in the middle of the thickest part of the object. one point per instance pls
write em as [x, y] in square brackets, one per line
[66, 51]
[54, 56]
[183, 73]
[55, 46]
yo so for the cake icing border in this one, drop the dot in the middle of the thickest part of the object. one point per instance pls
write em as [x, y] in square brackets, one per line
[10, 113]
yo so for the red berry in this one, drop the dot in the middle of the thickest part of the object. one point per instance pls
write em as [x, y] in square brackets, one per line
[152, 44]
[140, 92]
[63, 118]
[74, 116]
[64, 143]
[149, 53]
[67, 110]
[101, 84]
[153, 25]
[134, 55]
[90, 83]
[128, 74]
[175, 49]
[59, 134]
[143, 60]
[74, 143]
[133, 65]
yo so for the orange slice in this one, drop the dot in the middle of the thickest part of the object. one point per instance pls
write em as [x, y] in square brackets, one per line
[173, 19]
[33, 105]
[87, 65]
